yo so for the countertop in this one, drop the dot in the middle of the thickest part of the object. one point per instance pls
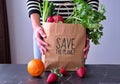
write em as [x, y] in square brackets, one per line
[96, 74]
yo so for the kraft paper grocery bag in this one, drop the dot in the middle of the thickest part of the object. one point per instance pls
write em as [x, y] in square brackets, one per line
[66, 44]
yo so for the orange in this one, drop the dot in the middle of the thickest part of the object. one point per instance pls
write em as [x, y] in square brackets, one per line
[35, 67]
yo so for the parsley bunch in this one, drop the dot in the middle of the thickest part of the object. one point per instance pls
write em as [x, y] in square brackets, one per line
[84, 14]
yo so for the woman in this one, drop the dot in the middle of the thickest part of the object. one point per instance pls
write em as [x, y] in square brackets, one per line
[39, 34]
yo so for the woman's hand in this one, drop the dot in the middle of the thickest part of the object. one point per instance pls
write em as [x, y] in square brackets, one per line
[39, 35]
[39, 32]
[86, 49]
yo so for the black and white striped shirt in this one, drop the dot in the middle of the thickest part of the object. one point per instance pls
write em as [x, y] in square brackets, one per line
[33, 6]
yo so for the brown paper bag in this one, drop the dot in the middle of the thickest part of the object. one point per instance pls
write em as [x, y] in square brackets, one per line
[66, 44]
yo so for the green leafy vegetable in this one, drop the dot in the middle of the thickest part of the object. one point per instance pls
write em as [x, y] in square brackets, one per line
[84, 14]
[46, 9]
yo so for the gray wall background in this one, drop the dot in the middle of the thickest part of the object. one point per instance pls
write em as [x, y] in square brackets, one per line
[20, 31]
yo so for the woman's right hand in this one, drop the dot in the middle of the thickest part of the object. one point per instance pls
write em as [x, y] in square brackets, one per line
[39, 32]
[39, 35]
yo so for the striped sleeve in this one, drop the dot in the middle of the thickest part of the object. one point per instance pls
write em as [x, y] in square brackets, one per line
[94, 3]
[32, 6]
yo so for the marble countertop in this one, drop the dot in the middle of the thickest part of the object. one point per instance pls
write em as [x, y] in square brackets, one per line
[96, 74]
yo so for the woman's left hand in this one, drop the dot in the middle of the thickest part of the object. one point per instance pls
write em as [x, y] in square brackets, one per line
[86, 49]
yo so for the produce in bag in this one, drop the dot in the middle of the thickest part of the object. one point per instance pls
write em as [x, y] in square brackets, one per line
[83, 16]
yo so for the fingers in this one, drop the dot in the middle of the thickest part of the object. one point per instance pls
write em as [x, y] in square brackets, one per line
[42, 45]
[41, 32]
[87, 45]
[42, 49]
[86, 53]
[86, 49]
[40, 41]
[39, 35]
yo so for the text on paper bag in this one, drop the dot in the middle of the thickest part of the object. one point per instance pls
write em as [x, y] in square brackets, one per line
[65, 46]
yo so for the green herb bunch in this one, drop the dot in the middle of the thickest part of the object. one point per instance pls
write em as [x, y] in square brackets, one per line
[84, 14]
[46, 9]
